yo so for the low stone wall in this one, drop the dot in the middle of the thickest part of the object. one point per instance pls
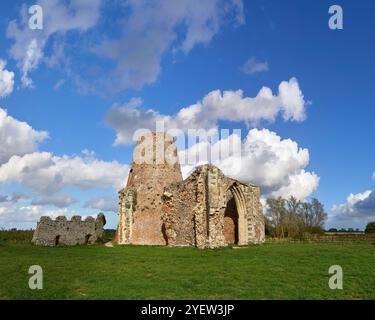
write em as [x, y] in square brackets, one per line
[62, 231]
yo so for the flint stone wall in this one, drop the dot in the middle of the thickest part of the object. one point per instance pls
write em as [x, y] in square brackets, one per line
[210, 210]
[62, 231]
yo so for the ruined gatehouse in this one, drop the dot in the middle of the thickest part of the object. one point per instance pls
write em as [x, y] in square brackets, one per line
[62, 231]
[207, 210]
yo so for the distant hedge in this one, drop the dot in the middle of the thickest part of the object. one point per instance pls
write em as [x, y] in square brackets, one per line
[16, 236]
[370, 228]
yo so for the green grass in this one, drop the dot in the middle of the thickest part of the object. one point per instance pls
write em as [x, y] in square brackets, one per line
[271, 271]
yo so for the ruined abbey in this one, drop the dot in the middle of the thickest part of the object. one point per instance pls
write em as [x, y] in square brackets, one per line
[207, 210]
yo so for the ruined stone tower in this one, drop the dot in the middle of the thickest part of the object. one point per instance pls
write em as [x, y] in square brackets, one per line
[155, 165]
[206, 210]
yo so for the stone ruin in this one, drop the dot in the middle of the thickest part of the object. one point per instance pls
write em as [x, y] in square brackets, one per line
[62, 231]
[140, 203]
[211, 210]
[207, 210]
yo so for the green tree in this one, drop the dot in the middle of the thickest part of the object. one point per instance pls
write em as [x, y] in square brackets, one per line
[318, 216]
[370, 228]
[276, 215]
[294, 218]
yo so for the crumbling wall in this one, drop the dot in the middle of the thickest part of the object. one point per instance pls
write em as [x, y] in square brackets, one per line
[62, 231]
[179, 202]
[195, 211]
[255, 217]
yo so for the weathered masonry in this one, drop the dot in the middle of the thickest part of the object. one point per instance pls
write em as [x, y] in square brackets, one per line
[155, 165]
[211, 210]
[62, 231]
[206, 210]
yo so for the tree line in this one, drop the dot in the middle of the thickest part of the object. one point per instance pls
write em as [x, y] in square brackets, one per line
[370, 228]
[294, 218]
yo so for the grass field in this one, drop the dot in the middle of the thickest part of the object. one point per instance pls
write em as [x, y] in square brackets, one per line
[271, 271]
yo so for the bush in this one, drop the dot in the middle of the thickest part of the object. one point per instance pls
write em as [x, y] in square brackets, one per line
[370, 228]
[109, 235]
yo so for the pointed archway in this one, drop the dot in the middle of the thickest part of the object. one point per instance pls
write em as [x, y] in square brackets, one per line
[240, 204]
[231, 222]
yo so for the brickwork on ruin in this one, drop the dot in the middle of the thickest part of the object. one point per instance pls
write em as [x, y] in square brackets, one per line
[155, 165]
[207, 210]
[62, 231]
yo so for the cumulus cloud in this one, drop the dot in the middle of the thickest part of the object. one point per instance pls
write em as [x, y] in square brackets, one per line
[156, 27]
[58, 200]
[12, 215]
[231, 106]
[103, 204]
[16, 137]
[6, 80]
[59, 18]
[358, 208]
[252, 66]
[46, 173]
[277, 165]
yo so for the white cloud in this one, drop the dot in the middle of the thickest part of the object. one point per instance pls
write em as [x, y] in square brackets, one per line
[88, 153]
[148, 30]
[12, 215]
[156, 27]
[358, 208]
[103, 203]
[60, 17]
[252, 66]
[278, 166]
[15, 197]
[228, 105]
[45, 173]
[58, 200]
[16, 137]
[6, 80]
[48, 174]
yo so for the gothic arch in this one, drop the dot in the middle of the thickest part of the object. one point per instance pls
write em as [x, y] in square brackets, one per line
[239, 198]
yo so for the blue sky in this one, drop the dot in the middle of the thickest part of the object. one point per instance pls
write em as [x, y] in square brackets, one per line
[98, 56]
